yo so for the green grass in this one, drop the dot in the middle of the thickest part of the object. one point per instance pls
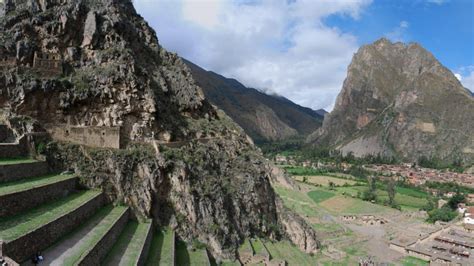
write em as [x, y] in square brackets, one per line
[411, 192]
[320, 195]
[160, 249]
[297, 201]
[284, 250]
[246, 247]
[27, 184]
[128, 247]
[16, 226]
[11, 161]
[99, 231]
[412, 261]
[258, 247]
[189, 257]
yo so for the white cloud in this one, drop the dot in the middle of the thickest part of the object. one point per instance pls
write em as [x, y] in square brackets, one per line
[398, 34]
[466, 76]
[279, 45]
[438, 2]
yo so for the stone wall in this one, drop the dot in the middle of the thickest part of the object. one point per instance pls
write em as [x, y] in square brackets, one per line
[14, 150]
[25, 247]
[15, 172]
[6, 134]
[146, 246]
[23, 200]
[173, 249]
[97, 253]
[92, 136]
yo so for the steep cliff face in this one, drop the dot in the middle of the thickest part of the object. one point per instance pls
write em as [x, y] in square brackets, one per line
[186, 164]
[264, 117]
[399, 100]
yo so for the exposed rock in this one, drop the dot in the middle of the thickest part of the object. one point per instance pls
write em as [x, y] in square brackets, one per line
[183, 162]
[398, 100]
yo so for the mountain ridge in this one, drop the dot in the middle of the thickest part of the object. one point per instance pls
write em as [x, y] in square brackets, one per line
[264, 117]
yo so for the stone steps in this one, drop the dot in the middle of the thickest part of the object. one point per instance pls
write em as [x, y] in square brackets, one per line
[14, 170]
[162, 249]
[19, 196]
[12, 150]
[91, 242]
[132, 246]
[24, 234]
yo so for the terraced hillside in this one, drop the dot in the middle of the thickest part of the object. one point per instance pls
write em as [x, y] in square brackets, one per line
[52, 215]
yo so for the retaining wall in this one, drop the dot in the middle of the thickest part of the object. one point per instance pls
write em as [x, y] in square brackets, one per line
[26, 246]
[100, 251]
[19, 171]
[146, 246]
[92, 136]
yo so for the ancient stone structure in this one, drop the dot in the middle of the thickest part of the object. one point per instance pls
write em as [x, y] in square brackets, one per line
[97, 137]
[13, 172]
[48, 64]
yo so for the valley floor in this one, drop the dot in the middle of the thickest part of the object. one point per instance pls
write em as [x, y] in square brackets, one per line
[351, 229]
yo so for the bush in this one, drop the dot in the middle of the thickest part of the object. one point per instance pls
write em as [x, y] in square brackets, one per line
[444, 214]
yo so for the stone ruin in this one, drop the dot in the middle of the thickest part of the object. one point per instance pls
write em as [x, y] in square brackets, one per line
[45, 64]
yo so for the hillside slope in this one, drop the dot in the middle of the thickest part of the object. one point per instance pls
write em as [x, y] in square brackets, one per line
[264, 117]
[98, 66]
[399, 100]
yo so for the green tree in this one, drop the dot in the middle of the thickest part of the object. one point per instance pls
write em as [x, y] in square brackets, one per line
[391, 190]
[455, 200]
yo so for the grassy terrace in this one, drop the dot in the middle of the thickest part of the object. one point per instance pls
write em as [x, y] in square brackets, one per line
[92, 239]
[16, 161]
[161, 249]
[258, 247]
[27, 184]
[128, 247]
[16, 226]
[185, 256]
[284, 250]
[246, 247]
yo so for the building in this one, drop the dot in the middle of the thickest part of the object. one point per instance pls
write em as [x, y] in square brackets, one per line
[469, 216]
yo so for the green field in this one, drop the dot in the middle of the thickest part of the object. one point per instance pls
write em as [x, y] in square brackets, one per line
[22, 185]
[13, 227]
[161, 248]
[412, 261]
[258, 247]
[320, 195]
[324, 180]
[16, 161]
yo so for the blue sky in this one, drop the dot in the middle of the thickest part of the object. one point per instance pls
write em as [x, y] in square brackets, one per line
[301, 48]
[446, 28]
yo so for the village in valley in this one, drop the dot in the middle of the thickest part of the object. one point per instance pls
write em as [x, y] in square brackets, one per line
[406, 230]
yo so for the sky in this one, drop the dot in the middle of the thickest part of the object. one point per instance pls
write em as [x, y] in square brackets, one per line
[300, 49]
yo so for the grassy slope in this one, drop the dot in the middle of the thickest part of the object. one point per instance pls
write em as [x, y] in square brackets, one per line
[128, 247]
[320, 195]
[27, 184]
[284, 250]
[160, 249]
[99, 231]
[15, 226]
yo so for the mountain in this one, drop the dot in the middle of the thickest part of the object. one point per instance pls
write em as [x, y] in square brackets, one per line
[398, 100]
[94, 72]
[264, 117]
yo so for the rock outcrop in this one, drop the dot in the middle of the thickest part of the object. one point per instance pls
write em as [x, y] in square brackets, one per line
[86, 63]
[264, 117]
[398, 100]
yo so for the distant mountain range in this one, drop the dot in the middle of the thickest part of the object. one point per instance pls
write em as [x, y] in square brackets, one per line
[264, 117]
[398, 100]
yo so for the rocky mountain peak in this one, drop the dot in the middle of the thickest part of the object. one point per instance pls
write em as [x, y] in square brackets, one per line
[399, 100]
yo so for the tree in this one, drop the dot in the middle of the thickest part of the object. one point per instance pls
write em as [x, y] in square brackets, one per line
[371, 193]
[455, 200]
[444, 214]
[391, 190]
